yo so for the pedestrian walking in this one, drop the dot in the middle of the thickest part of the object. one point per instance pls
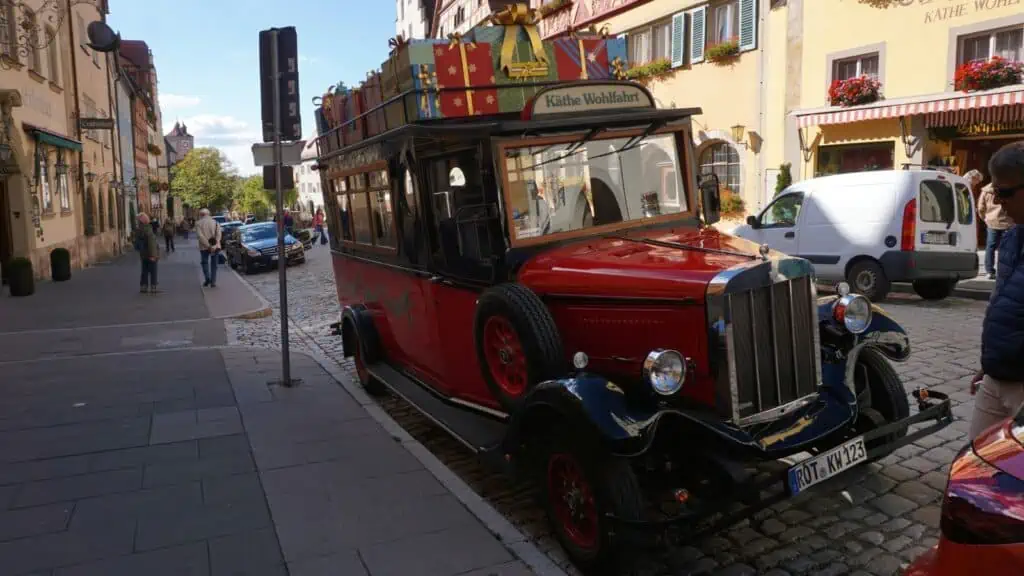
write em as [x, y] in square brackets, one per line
[155, 224]
[999, 385]
[209, 236]
[318, 226]
[996, 220]
[289, 222]
[168, 229]
[149, 253]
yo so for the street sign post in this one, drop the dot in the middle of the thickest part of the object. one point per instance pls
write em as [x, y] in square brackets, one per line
[279, 45]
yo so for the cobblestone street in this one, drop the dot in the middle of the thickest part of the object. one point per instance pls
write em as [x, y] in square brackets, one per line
[872, 520]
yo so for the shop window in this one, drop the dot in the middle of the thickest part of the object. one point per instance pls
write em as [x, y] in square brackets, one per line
[855, 158]
[650, 43]
[725, 19]
[62, 189]
[722, 160]
[1006, 43]
[936, 201]
[847, 68]
[44, 182]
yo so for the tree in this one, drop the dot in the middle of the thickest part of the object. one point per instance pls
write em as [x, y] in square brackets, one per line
[252, 198]
[203, 178]
[784, 178]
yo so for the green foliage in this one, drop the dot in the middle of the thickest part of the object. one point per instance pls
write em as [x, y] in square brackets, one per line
[723, 52]
[732, 203]
[251, 198]
[204, 179]
[650, 71]
[784, 179]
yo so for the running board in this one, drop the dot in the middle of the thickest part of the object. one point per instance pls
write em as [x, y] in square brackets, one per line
[481, 434]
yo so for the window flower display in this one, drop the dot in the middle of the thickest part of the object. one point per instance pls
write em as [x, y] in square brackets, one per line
[988, 74]
[854, 91]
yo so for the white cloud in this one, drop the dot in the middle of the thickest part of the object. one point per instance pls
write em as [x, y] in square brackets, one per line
[178, 101]
[308, 59]
[240, 156]
[233, 136]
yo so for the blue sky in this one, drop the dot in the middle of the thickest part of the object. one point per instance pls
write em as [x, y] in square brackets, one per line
[207, 59]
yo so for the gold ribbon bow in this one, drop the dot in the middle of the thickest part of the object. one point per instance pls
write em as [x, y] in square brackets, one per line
[512, 18]
[619, 68]
[592, 30]
[397, 43]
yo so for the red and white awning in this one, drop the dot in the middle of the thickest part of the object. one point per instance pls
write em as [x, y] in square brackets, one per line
[1003, 106]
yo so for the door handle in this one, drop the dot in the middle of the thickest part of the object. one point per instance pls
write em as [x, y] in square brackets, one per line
[438, 280]
[790, 234]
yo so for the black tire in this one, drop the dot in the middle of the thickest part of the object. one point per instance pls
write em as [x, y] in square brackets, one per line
[867, 277]
[248, 266]
[364, 354]
[517, 343]
[613, 488]
[888, 397]
[232, 263]
[934, 289]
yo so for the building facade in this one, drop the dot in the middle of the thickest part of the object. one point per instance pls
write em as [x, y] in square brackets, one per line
[307, 180]
[180, 140]
[56, 176]
[413, 18]
[127, 194]
[458, 16]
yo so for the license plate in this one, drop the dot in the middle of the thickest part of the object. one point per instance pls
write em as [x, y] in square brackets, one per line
[822, 467]
[935, 238]
[273, 258]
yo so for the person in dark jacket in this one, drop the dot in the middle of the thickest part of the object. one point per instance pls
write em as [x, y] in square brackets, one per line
[999, 385]
[149, 252]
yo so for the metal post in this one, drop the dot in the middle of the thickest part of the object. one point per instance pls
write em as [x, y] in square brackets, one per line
[282, 258]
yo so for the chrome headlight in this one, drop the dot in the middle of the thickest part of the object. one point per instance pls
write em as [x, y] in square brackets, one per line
[853, 311]
[665, 371]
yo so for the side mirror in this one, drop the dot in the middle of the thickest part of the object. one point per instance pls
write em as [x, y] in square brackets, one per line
[753, 222]
[711, 199]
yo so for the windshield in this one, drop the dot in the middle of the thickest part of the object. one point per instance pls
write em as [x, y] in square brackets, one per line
[576, 185]
[259, 233]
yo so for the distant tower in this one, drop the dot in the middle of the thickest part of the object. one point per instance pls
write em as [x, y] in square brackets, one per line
[182, 141]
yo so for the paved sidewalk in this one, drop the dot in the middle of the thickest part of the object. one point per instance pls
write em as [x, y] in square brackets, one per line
[135, 443]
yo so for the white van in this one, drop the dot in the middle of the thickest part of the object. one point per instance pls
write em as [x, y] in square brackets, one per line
[874, 228]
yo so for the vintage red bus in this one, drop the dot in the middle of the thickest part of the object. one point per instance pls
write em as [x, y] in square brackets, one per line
[546, 286]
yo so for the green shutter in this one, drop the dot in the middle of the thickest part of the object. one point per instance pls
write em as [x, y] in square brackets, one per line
[697, 34]
[748, 24]
[678, 39]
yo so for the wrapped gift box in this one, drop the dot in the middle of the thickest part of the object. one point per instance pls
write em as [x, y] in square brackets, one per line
[321, 121]
[421, 104]
[587, 58]
[399, 70]
[527, 67]
[464, 65]
[354, 127]
[373, 98]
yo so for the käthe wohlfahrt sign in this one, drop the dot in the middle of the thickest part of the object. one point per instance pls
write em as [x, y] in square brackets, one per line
[590, 98]
[96, 123]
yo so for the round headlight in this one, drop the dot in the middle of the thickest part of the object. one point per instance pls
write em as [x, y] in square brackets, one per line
[854, 312]
[665, 371]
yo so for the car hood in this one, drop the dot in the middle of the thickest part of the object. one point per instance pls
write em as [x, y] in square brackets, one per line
[269, 242]
[664, 263]
[1002, 446]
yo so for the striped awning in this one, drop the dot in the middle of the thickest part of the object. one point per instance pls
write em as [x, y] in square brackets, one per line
[1003, 106]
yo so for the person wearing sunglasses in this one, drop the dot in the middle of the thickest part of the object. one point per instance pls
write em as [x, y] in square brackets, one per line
[999, 385]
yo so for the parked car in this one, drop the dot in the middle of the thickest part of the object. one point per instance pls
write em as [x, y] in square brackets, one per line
[632, 360]
[229, 227]
[874, 228]
[220, 219]
[254, 246]
[982, 522]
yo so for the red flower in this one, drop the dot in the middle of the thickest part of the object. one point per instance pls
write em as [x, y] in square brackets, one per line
[854, 91]
[988, 74]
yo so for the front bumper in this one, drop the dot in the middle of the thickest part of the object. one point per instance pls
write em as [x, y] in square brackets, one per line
[268, 261]
[909, 266]
[771, 488]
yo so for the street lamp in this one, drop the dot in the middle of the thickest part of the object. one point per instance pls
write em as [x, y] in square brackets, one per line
[90, 176]
[5, 152]
[738, 131]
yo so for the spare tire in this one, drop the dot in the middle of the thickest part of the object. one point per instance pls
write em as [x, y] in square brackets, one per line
[517, 343]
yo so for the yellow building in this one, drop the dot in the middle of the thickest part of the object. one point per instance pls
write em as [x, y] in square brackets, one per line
[40, 202]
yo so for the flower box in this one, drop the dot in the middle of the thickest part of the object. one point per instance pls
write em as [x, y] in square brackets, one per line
[854, 91]
[723, 52]
[988, 74]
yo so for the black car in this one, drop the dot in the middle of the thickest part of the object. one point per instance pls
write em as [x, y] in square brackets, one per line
[254, 246]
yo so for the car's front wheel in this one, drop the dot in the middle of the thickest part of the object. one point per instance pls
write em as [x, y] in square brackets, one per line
[248, 266]
[581, 486]
[888, 399]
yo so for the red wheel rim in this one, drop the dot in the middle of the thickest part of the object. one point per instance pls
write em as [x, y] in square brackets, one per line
[361, 371]
[505, 357]
[572, 500]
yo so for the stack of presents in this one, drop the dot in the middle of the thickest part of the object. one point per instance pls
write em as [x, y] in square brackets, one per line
[489, 70]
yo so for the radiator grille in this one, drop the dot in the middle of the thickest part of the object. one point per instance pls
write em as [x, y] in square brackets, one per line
[773, 345]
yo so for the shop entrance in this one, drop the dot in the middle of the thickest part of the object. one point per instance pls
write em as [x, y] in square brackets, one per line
[6, 242]
[973, 154]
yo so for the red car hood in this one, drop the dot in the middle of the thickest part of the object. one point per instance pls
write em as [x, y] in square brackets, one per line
[1003, 447]
[618, 267]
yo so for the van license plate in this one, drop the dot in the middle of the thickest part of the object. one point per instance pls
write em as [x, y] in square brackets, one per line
[273, 258]
[936, 238]
[821, 468]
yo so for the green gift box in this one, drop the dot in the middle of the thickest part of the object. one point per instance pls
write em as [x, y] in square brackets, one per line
[513, 92]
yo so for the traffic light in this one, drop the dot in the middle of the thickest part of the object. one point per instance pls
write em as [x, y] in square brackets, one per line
[288, 67]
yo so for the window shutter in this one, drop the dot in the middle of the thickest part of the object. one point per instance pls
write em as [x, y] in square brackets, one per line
[678, 40]
[748, 24]
[697, 34]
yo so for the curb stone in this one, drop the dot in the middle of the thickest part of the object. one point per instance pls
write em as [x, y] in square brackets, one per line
[264, 311]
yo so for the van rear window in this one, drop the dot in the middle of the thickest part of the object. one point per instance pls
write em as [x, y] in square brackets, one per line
[936, 201]
[963, 203]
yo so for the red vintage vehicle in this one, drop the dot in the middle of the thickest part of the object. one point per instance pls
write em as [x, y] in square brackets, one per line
[546, 287]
